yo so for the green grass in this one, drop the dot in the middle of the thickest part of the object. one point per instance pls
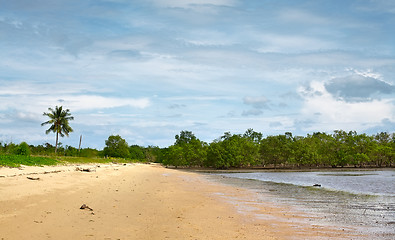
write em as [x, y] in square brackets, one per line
[7, 160]
[17, 160]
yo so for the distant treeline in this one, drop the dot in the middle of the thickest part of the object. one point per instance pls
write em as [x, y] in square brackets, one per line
[117, 149]
[252, 150]
[45, 150]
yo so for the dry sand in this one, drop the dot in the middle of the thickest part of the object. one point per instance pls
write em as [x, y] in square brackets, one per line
[138, 201]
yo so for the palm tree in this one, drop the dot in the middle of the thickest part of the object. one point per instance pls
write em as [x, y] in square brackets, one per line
[59, 120]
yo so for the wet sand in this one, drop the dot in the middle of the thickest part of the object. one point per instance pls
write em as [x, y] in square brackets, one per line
[138, 201]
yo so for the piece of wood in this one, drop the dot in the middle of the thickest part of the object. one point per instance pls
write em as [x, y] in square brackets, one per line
[33, 178]
[84, 206]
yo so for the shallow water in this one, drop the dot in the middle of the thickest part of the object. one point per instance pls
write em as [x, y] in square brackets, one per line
[363, 200]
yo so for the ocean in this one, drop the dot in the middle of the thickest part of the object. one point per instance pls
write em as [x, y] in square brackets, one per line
[361, 200]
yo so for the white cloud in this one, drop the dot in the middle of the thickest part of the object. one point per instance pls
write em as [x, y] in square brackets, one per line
[73, 102]
[88, 102]
[367, 73]
[328, 113]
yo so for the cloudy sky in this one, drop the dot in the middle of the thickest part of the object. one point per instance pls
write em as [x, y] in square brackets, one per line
[147, 69]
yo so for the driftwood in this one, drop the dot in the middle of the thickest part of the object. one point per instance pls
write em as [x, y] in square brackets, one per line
[84, 206]
[85, 169]
[56, 171]
[33, 178]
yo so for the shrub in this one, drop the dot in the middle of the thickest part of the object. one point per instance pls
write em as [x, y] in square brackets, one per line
[23, 149]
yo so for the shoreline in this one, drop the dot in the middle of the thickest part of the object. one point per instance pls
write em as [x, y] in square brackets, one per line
[140, 201]
[261, 169]
[371, 213]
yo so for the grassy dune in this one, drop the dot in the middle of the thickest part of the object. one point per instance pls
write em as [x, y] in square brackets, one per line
[18, 160]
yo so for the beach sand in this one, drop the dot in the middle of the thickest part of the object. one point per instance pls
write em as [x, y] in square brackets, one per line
[141, 201]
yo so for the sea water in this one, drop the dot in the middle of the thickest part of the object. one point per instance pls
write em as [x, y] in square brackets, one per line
[362, 199]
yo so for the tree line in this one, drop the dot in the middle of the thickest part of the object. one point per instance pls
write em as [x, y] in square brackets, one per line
[114, 149]
[46, 150]
[251, 149]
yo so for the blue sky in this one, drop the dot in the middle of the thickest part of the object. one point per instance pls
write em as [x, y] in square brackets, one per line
[147, 69]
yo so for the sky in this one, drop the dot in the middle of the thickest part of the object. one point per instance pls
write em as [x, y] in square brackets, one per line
[148, 69]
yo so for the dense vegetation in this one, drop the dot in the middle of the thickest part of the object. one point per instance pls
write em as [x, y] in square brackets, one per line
[252, 150]
[47, 150]
[117, 147]
[116, 150]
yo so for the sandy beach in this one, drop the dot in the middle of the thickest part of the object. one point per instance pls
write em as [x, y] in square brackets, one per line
[139, 201]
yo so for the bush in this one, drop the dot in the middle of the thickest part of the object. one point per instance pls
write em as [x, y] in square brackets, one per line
[23, 149]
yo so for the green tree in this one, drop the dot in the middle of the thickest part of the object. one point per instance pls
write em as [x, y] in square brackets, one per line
[215, 156]
[233, 151]
[136, 152]
[302, 154]
[322, 144]
[277, 149]
[174, 156]
[185, 137]
[194, 150]
[253, 136]
[360, 149]
[70, 151]
[23, 149]
[9, 148]
[116, 146]
[59, 121]
[89, 152]
[383, 152]
[153, 154]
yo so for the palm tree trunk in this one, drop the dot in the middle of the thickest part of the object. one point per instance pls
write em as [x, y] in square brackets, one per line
[56, 146]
